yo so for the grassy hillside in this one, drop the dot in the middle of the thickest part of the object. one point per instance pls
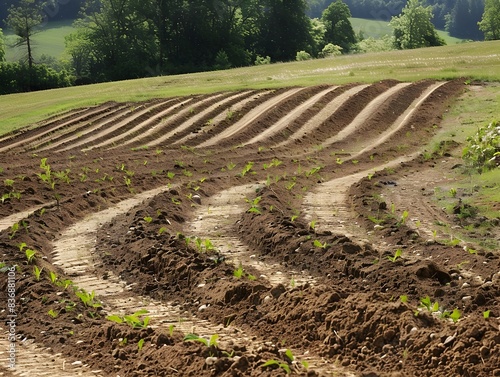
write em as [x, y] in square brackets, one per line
[377, 29]
[473, 60]
[50, 41]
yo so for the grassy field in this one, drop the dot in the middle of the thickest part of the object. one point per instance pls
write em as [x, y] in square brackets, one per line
[472, 60]
[377, 29]
[50, 41]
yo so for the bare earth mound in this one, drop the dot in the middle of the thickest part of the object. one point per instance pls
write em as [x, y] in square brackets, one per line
[257, 233]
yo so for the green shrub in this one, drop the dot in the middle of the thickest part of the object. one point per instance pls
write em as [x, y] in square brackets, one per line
[483, 148]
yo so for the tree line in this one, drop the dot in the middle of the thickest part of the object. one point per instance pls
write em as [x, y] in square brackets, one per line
[123, 39]
[459, 17]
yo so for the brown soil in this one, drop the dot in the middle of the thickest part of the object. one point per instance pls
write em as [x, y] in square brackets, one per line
[281, 250]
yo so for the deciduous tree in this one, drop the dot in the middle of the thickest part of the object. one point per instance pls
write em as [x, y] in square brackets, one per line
[490, 23]
[338, 28]
[413, 27]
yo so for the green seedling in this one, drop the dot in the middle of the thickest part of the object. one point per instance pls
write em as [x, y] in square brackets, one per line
[273, 362]
[254, 208]
[397, 254]
[8, 183]
[246, 169]
[212, 342]
[238, 273]
[453, 192]
[148, 219]
[133, 320]
[30, 255]
[403, 298]
[486, 314]
[318, 244]
[162, 230]
[13, 230]
[312, 225]
[53, 313]
[289, 354]
[230, 166]
[21, 246]
[404, 216]
[88, 299]
[313, 171]
[171, 330]
[427, 304]
[140, 344]
[52, 277]
[37, 272]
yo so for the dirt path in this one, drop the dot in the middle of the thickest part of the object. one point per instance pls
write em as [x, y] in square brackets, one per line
[329, 205]
[214, 220]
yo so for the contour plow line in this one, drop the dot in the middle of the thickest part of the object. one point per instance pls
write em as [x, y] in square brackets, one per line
[93, 134]
[98, 112]
[47, 122]
[196, 118]
[290, 117]
[81, 129]
[323, 115]
[364, 114]
[402, 120]
[220, 213]
[73, 252]
[250, 117]
[148, 136]
[148, 124]
[222, 116]
[328, 203]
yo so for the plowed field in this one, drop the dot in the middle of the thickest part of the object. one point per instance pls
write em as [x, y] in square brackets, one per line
[252, 233]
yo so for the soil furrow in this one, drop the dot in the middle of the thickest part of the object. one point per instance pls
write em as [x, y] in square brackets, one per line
[77, 244]
[363, 115]
[402, 120]
[225, 115]
[290, 117]
[150, 123]
[216, 218]
[250, 117]
[186, 127]
[95, 113]
[329, 203]
[170, 123]
[323, 115]
[93, 132]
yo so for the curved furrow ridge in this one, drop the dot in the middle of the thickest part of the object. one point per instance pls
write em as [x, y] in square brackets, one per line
[51, 128]
[167, 124]
[250, 117]
[187, 127]
[102, 130]
[290, 117]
